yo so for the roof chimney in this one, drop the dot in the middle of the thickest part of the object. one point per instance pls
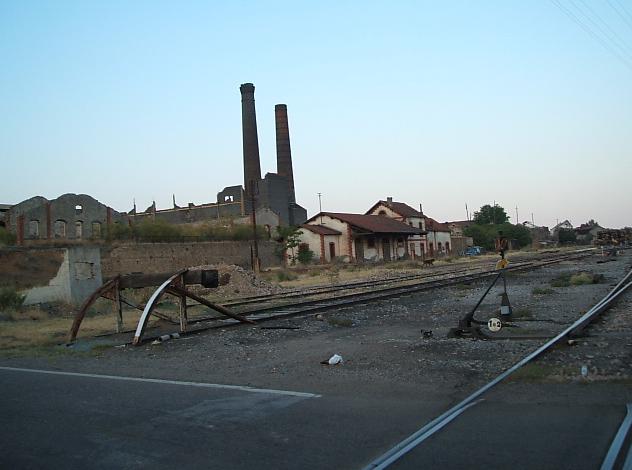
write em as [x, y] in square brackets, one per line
[284, 154]
[389, 200]
[252, 167]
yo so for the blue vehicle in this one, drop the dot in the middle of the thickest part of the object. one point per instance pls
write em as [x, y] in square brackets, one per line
[473, 251]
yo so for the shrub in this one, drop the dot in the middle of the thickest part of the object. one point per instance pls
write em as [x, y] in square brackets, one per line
[577, 279]
[542, 291]
[305, 255]
[563, 280]
[286, 276]
[344, 322]
[566, 235]
[585, 278]
[10, 298]
[6, 237]
[485, 235]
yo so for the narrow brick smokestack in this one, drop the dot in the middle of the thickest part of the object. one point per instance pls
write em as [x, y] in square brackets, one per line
[284, 154]
[252, 167]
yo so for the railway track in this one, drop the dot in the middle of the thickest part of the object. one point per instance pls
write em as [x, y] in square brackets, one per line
[367, 284]
[320, 302]
[418, 437]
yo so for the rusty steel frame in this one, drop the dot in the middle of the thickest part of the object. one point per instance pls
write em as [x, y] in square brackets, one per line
[109, 290]
[176, 286]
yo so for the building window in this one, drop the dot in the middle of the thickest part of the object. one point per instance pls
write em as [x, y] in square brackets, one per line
[96, 229]
[78, 229]
[59, 229]
[410, 223]
[78, 209]
[382, 212]
[421, 226]
[34, 229]
[447, 246]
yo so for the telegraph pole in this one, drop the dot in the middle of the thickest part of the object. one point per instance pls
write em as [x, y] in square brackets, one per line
[253, 218]
[320, 208]
[517, 222]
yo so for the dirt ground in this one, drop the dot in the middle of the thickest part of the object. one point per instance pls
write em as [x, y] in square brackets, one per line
[387, 346]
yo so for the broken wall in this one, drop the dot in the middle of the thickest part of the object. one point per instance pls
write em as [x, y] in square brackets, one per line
[171, 257]
[67, 275]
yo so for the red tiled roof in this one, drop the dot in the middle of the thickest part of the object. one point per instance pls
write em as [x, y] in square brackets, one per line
[321, 229]
[401, 208]
[433, 226]
[460, 223]
[373, 223]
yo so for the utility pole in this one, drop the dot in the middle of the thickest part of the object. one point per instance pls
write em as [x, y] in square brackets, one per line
[517, 222]
[253, 218]
[467, 212]
[320, 208]
[532, 221]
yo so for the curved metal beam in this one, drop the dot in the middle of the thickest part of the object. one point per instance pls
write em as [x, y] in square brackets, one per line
[109, 285]
[151, 303]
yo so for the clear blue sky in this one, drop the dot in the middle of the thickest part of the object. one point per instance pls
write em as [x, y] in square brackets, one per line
[443, 103]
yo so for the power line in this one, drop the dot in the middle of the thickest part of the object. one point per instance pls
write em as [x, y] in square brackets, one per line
[595, 36]
[612, 35]
[623, 13]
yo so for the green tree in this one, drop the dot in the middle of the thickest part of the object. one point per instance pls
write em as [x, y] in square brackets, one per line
[566, 235]
[305, 255]
[485, 235]
[289, 238]
[490, 215]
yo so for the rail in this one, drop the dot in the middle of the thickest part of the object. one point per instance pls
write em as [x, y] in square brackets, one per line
[436, 424]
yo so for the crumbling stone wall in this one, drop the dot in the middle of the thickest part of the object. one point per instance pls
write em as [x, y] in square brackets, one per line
[70, 216]
[170, 257]
[52, 274]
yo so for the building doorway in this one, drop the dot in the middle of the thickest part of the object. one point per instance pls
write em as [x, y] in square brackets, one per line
[386, 249]
[359, 249]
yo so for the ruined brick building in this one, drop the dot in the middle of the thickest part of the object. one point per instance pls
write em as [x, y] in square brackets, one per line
[70, 216]
[80, 216]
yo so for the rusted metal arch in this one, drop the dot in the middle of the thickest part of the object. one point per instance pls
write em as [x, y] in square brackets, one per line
[176, 286]
[109, 290]
[151, 303]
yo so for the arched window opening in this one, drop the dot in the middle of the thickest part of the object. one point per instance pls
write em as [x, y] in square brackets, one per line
[59, 229]
[34, 229]
[96, 229]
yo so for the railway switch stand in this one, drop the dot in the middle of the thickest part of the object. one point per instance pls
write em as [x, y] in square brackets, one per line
[468, 325]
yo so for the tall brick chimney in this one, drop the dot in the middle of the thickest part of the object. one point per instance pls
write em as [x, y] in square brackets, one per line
[252, 166]
[284, 154]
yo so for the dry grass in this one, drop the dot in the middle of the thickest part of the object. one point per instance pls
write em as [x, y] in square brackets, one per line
[35, 328]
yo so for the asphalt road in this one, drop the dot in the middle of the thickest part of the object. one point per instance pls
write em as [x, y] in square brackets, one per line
[502, 435]
[78, 421]
[74, 421]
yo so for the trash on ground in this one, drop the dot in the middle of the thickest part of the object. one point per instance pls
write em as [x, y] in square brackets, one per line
[333, 360]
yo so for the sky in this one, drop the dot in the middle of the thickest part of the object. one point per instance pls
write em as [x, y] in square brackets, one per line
[525, 104]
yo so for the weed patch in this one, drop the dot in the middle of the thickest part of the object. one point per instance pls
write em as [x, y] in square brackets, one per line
[10, 298]
[286, 276]
[345, 322]
[521, 313]
[577, 279]
[542, 291]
